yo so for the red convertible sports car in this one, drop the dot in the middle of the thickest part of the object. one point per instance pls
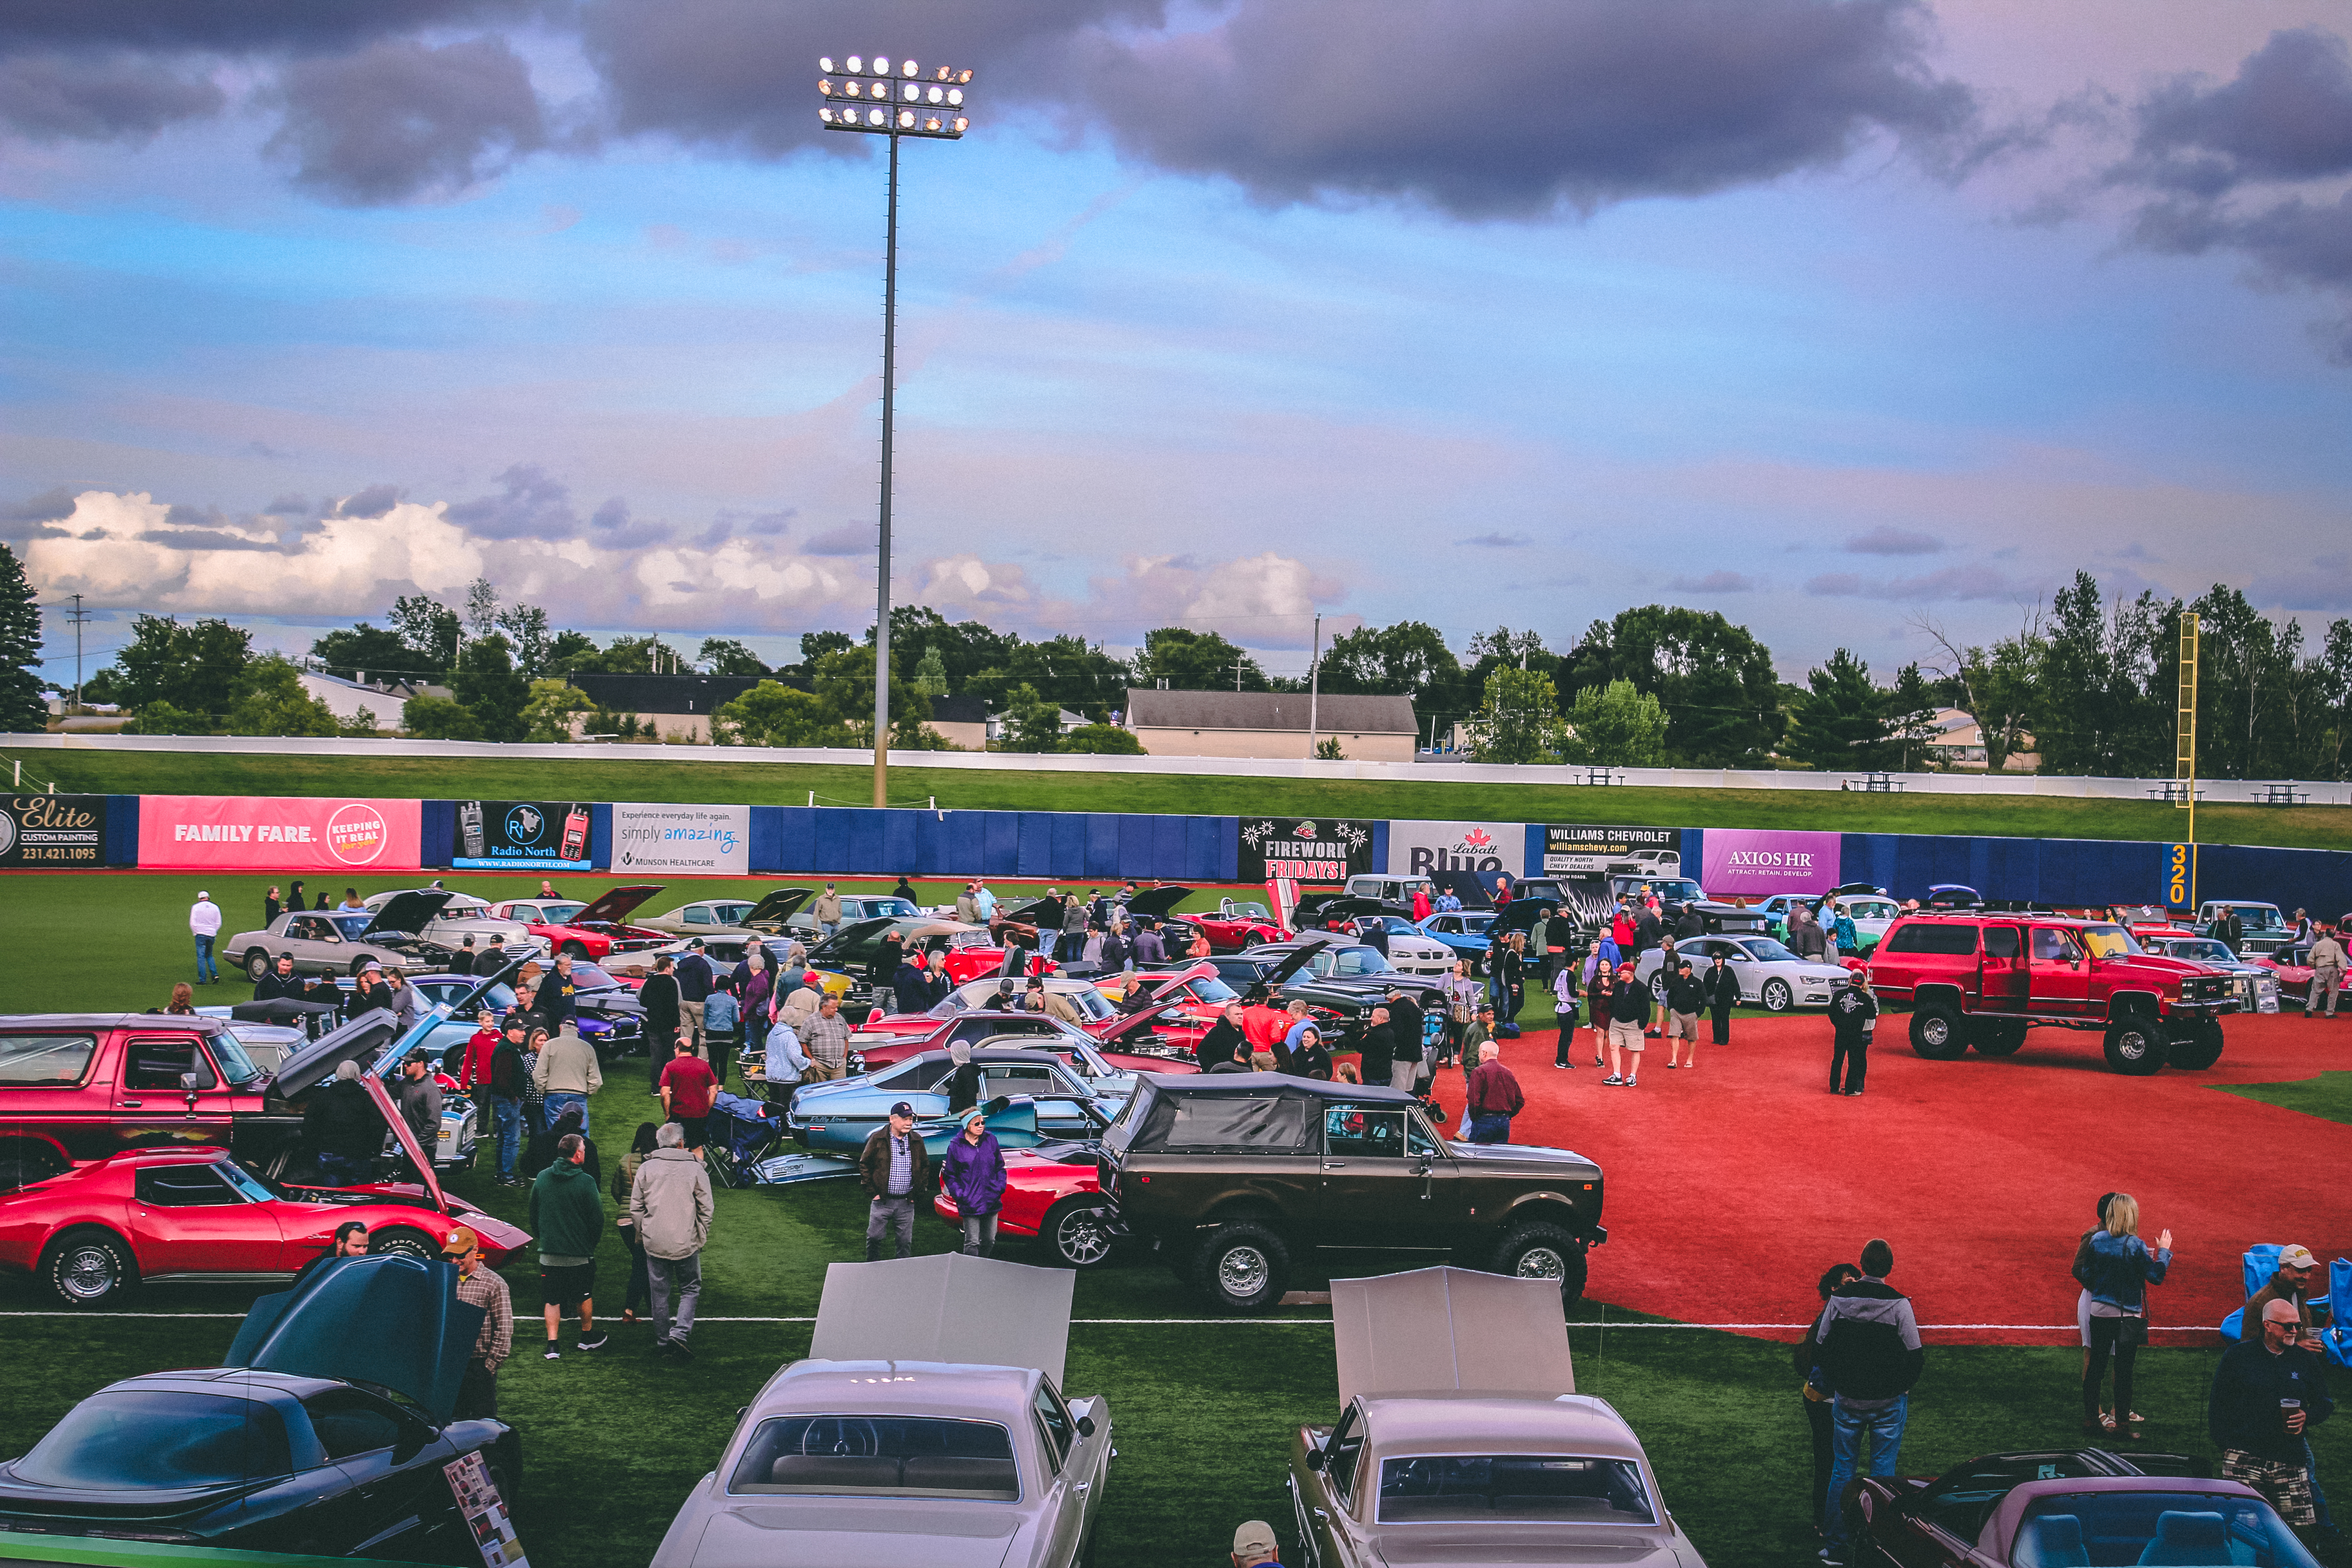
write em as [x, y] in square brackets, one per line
[181, 1214]
[2292, 969]
[2083, 1506]
[592, 930]
[1133, 1045]
[1052, 1191]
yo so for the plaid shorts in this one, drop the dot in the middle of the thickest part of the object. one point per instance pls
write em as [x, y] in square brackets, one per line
[2288, 1487]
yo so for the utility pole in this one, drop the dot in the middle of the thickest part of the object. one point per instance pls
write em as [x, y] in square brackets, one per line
[1313, 684]
[77, 616]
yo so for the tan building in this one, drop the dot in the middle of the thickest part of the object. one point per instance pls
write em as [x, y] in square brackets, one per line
[1957, 742]
[1269, 724]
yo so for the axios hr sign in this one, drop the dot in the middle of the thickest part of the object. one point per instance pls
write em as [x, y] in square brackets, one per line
[1743, 862]
[1422, 849]
[237, 833]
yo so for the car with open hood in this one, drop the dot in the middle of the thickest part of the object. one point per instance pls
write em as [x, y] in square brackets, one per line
[2043, 1508]
[1460, 1438]
[1075, 1097]
[345, 942]
[1236, 924]
[928, 1426]
[968, 950]
[1240, 1180]
[95, 1233]
[1339, 979]
[597, 929]
[1771, 976]
[464, 915]
[1181, 1005]
[731, 917]
[330, 1431]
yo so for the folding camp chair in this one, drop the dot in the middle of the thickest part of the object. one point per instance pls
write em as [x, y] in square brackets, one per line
[739, 1134]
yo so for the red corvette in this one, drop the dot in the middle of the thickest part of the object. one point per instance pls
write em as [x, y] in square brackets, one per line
[1052, 1192]
[1236, 925]
[1133, 1045]
[180, 1215]
[595, 929]
[2293, 976]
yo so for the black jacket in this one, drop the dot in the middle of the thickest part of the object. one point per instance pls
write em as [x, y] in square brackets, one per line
[1720, 986]
[510, 1079]
[694, 978]
[272, 985]
[557, 999]
[341, 1119]
[910, 989]
[1646, 932]
[1685, 994]
[2244, 1410]
[1223, 1043]
[1405, 1019]
[1114, 951]
[658, 996]
[1869, 1347]
[1379, 1047]
[1310, 1061]
[889, 961]
[1692, 922]
[1628, 1003]
[963, 1087]
[1851, 1011]
[462, 961]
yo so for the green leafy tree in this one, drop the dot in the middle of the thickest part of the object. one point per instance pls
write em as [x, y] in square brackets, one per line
[1910, 708]
[1998, 687]
[965, 648]
[194, 668]
[1407, 660]
[814, 646]
[492, 688]
[160, 718]
[1080, 678]
[526, 630]
[269, 700]
[2106, 682]
[1617, 726]
[22, 708]
[1520, 721]
[1194, 661]
[1840, 721]
[844, 680]
[726, 656]
[482, 607]
[571, 653]
[364, 648]
[1031, 723]
[931, 674]
[439, 718]
[431, 631]
[1102, 739]
[774, 714]
[1714, 679]
[547, 716]
[1327, 750]
[360, 726]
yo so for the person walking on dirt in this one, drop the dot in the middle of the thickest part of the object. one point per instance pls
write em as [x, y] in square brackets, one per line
[1563, 996]
[1494, 1097]
[1629, 1011]
[1683, 1000]
[2121, 1268]
[1853, 1015]
[1719, 988]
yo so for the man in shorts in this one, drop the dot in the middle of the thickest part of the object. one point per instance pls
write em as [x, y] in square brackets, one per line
[567, 1214]
[1629, 1011]
[1685, 999]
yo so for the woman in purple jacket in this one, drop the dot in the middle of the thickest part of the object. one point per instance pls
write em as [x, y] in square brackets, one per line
[754, 985]
[973, 1174]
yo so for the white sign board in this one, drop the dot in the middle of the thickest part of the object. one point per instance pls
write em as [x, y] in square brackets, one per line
[1418, 848]
[685, 840]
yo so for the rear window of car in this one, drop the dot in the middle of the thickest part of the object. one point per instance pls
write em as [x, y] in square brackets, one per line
[1480, 1486]
[44, 1061]
[1932, 936]
[135, 1439]
[1228, 1124]
[878, 1455]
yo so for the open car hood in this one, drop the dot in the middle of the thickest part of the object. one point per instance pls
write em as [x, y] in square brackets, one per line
[1466, 886]
[386, 1318]
[616, 903]
[406, 1136]
[778, 906]
[1308, 946]
[1158, 902]
[1450, 1328]
[408, 912]
[1028, 914]
[362, 1040]
[950, 1307]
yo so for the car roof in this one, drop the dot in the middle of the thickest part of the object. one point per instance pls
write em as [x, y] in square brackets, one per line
[230, 1383]
[1498, 1423]
[174, 1023]
[1259, 1083]
[948, 1389]
[985, 1054]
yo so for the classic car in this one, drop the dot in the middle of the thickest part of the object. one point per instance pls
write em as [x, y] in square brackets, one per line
[1184, 1006]
[1238, 924]
[2259, 981]
[1464, 933]
[837, 1116]
[1133, 1044]
[926, 1427]
[764, 916]
[2288, 969]
[154, 1215]
[2264, 926]
[1771, 976]
[1093, 1006]
[1053, 1193]
[1460, 1438]
[965, 949]
[855, 906]
[594, 930]
[1339, 979]
[2046, 1508]
[1236, 1178]
[328, 1432]
[463, 916]
[1870, 913]
[334, 941]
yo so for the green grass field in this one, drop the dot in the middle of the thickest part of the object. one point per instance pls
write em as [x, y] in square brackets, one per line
[601, 776]
[2328, 1096]
[1202, 1408]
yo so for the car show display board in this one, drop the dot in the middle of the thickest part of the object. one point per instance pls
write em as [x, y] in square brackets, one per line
[277, 833]
[1591, 850]
[683, 840]
[521, 836]
[1312, 851]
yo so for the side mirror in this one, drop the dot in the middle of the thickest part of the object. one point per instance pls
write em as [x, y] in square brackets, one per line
[1086, 1426]
[1315, 1458]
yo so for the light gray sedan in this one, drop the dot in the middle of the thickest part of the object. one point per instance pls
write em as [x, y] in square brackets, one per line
[1771, 976]
[334, 942]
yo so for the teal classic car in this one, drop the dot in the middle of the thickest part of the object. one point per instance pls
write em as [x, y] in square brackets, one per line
[836, 1117]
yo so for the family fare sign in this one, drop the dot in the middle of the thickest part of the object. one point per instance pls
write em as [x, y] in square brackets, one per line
[212, 832]
[1755, 863]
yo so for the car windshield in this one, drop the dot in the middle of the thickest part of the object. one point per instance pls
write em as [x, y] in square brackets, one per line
[1474, 924]
[2258, 917]
[1211, 989]
[2110, 942]
[948, 1006]
[350, 926]
[2201, 951]
[874, 1455]
[588, 977]
[2154, 1526]
[555, 914]
[138, 1440]
[1247, 911]
[1479, 1487]
[878, 909]
[234, 1065]
[243, 1180]
[1765, 950]
[1350, 961]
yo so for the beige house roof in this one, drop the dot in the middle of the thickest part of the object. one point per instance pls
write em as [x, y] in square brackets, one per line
[1152, 710]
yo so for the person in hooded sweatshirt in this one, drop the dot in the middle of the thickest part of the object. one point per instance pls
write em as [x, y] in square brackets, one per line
[1869, 1360]
[972, 1171]
[567, 1217]
[963, 1083]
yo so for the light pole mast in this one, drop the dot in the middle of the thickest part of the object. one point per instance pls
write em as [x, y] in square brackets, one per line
[1313, 684]
[881, 101]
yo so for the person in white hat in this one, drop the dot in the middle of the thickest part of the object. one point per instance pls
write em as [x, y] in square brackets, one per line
[203, 924]
[1254, 1546]
[2291, 1282]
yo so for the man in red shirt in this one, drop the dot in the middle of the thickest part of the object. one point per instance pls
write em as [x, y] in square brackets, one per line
[1494, 1098]
[474, 1066]
[688, 1090]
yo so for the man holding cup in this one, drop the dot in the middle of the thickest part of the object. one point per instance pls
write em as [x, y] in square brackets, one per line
[2268, 1394]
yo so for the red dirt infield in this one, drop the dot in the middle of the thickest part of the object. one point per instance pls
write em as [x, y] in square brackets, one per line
[1733, 1185]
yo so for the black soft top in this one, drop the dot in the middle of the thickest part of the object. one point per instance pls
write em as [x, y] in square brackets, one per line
[1230, 1113]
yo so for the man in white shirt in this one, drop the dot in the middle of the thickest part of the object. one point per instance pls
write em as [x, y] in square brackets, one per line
[203, 924]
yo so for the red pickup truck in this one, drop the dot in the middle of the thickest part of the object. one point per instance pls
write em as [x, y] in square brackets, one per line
[77, 1087]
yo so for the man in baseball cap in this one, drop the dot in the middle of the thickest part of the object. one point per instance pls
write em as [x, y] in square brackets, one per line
[1254, 1546]
[897, 1172]
[478, 1286]
[2292, 1282]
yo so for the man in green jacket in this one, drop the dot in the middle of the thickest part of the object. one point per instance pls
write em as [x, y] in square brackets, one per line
[567, 1214]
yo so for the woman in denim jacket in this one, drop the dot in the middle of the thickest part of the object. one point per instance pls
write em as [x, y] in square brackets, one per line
[2117, 1268]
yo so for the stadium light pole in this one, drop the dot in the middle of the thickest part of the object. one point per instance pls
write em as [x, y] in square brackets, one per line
[879, 97]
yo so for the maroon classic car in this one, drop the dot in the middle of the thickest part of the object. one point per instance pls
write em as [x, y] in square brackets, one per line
[2080, 1505]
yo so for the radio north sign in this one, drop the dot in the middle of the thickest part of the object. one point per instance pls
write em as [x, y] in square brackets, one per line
[1304, 849]
[239, 833]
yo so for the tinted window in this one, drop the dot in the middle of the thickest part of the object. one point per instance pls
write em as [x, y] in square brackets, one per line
[1237, 1123]
[1932, 936]
[866, 1456]
[133, 1439]
[1513, 1486]
[350, 1423]
[2000, 941]
[44, 1061]
[160, 1062]
[1764, 950]
[1364, 1131]
[184, 1187]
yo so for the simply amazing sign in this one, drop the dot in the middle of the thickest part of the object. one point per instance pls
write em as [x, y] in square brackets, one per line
[686, 840]
[1755, 863]
[277, 833]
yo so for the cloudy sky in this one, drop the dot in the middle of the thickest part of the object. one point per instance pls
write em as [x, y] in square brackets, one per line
[1833, 316]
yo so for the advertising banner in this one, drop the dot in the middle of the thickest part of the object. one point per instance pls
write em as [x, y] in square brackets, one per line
[1572, 848]
[689, 840]
[277, 833]
[1755, 863]
[1418, 848]
[521, 836]
[1304, 849]
[52, 830]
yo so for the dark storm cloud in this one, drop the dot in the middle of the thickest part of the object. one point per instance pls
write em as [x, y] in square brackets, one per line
[612, 527]
[532, 506]
[106, 98]
[374, 502]
[31, 519]
[234, 28]
[400, 121]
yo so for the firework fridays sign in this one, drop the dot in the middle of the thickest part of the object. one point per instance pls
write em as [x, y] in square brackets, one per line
[1304, 849]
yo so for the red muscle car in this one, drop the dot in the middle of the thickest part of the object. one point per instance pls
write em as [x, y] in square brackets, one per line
[1236, 925]
[1133, 1044]
[596, 930]
[149, 1216]
[2291, 967]
[1051, 1192]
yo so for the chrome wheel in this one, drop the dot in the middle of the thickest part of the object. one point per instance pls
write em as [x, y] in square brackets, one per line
[1777, 997]
[1080, 1238]
[1935, 1030]
[1542, 1263]
[89, 1271]
[1242, 1271]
